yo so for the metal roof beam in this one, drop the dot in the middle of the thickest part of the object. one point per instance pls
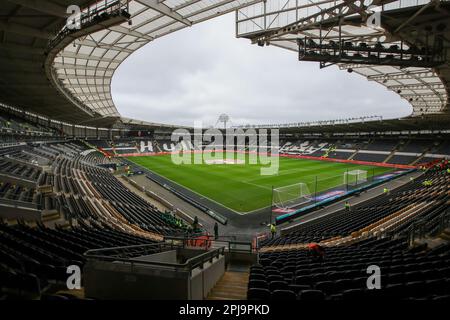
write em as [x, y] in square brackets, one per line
[129, 32]
[67, 54]
[88, 101]
[81, 77]
[64, 66]
[11, 47]
[93, 44]
[402, 75]
[418, 86]
[24, 30]
[43, 6]
[162, 8]
[104, 88]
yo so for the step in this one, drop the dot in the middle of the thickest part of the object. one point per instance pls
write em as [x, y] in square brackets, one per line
[234, 278]
[238, 275]
[239, 295]
[232, 286]
[50, 216]
[219, 298]
[231, 295]
[445, 236]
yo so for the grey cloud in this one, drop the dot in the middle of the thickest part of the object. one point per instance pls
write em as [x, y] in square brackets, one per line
[201, 72]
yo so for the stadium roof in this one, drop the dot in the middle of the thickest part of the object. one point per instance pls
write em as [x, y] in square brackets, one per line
[79, 65]
[77, 89]
[425, 124]
[426, 89]
[25, 29]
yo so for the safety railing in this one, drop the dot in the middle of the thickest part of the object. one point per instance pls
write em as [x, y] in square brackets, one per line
[92, 15]
[15, 203]
[208, 242]
[131, 254]
[421, 229]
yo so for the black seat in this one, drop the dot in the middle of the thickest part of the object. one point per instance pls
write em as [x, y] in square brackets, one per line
[396, 278]
[261, 284]
[416, 289]
[283, 295]
[312, 295]
[258, 294]
[442, 298]
[438, 287]
[353, 294]
[54, 297]
[326, 287]
[297, 288]
[394, 290]
[303, 280]
[342, 284]
[278, 285]
[272, 278]
[257, 276]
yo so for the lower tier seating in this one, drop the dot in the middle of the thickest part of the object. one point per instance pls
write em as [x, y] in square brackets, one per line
[342, 273]
[33, 258]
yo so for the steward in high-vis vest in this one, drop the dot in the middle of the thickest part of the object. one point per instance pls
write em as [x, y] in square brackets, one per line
[347, 206]
[273, 230]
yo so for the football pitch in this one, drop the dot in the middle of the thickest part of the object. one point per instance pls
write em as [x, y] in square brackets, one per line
[241, 187]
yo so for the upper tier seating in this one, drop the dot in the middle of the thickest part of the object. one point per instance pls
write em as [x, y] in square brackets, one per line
[303, 147]
[417, 146]
[12, 124]
[101, 144]
[381, 145]
[400, 159]
[370, 157]
[444, 148]
[393, 151]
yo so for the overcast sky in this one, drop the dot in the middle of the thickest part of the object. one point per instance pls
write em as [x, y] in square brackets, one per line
[201, 72]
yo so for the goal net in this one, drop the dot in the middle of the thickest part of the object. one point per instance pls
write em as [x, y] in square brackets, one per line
[291, 196]
[355, 178]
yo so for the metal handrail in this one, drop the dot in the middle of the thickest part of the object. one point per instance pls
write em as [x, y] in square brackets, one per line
[116, 7]
[189, 265]
[422, 228]
[230, 245]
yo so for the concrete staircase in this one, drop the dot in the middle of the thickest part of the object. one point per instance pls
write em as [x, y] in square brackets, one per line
[232, 286]
[50, 215]
[445, 235]
[390, 156]
[417, 161]
[354, 154]
[434, 242]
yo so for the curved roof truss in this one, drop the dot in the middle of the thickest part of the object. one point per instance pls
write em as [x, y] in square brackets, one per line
[85, 67]
[282, 23]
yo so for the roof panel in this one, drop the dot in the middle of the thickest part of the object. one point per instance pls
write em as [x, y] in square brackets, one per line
[106, 49]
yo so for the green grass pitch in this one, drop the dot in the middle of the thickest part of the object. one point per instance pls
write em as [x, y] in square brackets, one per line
[241, 187]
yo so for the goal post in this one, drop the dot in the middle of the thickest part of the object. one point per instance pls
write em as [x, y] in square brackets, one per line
[290, 196]
[355, 178]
